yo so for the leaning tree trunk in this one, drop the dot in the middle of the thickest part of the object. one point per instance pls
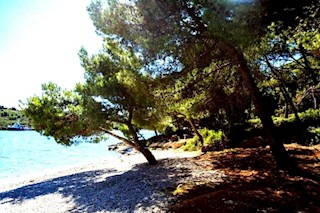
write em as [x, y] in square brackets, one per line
[193, 126]
[278, 150]
[138, 146]
[146, 153]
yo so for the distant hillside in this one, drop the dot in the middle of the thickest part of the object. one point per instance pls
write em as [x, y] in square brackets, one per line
[9, 116]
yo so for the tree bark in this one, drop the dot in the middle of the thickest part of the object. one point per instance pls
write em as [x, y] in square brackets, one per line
[138, 146]
[315, 105]
[307, 65]
[278, 150]
[156, 133]
[146, 153]
[285, 93]
[193, 126]
[286, 110]
[126, 141]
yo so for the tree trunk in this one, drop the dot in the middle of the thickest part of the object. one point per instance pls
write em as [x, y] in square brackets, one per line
[315, 105]
[286, 110]
[307, 65]
[277, 148]
[138, 146]
[156, 133]
[193, 126]
[290, 102]
[146, 153]
[285, 93]
[126, 141]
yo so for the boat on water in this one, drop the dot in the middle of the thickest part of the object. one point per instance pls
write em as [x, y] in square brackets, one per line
[18, 127]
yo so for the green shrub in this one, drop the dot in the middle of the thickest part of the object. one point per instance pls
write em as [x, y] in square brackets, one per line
[278, 121]
[315, 131]
[289, 130]
[308, 117]
[255, 123]
[315, 135]
[210, 138]
[192, 144]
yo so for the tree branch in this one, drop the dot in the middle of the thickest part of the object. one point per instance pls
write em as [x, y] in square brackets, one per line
[118, 137]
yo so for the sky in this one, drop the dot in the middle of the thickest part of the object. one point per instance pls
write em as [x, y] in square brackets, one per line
[39, 42]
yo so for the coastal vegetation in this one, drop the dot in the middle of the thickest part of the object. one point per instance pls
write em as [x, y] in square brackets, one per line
[9, 116]
[226, 72]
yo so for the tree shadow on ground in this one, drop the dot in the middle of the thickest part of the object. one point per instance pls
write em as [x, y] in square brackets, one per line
[140, 187]
[255, 184]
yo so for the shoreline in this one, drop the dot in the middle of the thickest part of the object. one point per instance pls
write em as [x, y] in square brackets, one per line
[122, 163]
[127, 184]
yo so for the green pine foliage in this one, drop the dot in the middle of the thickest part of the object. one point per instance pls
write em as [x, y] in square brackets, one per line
[195, 66]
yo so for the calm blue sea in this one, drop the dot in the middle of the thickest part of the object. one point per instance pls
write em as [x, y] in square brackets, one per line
[27, 152]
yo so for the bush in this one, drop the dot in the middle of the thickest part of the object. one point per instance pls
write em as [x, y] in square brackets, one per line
[192, 144]
[255, 123]
[315, 131]
[315, 135]
[311, 117]
[289, 130]
[211, 138]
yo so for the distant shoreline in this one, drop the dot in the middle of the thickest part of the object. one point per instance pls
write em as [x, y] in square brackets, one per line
[18, 130]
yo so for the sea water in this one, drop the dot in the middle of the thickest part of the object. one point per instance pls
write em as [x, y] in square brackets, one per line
[23, 153]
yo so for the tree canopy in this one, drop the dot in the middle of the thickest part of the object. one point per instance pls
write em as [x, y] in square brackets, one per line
[212, 64]
[115, 94]
[197, 34]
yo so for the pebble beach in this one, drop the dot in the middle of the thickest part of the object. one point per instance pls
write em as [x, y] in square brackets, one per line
[125, 184]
